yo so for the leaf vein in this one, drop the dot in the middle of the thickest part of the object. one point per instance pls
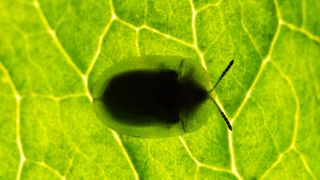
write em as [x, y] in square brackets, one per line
[125, 153]
[54, 37]
[18, 107]
[198, 163]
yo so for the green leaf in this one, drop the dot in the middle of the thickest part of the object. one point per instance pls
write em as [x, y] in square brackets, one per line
[52, 52]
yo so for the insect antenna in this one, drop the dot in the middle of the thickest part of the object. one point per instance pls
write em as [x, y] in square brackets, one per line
[215, 85]
[223, 115]
[222, 75]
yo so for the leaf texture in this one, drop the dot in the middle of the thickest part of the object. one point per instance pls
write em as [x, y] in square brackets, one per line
[52, 52]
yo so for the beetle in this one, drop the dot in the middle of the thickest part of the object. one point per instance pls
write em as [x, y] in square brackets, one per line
[155, 96]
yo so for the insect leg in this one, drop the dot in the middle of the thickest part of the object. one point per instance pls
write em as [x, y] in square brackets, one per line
[223, 115]
[180, 69]
[183, 126]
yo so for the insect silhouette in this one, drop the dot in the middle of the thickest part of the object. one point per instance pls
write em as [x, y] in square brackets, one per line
[156, 96]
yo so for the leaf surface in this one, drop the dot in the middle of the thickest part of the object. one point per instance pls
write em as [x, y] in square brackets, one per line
[52, 52]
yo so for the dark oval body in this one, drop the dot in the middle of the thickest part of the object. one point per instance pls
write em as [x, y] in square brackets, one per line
[153, 96]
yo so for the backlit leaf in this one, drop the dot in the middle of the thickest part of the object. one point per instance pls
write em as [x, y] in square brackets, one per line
[52, 52]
